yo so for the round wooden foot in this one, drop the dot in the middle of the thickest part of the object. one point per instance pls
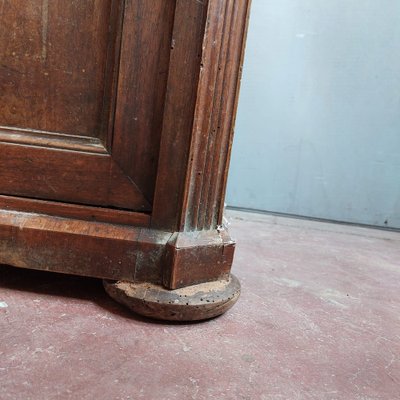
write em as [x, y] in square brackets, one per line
[192, 303]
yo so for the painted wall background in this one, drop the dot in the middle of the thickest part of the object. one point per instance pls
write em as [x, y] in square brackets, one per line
[318, 126]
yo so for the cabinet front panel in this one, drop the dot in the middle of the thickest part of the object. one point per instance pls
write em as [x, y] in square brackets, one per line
[82, 91]
[53, 64]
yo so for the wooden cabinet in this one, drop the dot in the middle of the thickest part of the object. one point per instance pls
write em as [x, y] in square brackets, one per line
[116, 121]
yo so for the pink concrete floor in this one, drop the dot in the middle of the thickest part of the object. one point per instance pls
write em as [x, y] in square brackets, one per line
[319, 318]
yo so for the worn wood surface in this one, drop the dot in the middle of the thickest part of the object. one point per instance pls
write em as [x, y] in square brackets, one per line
[75, 211]
[82, 88]
[195, 257]
[88, 248]
[183, 75]
[199, 113]
[143, 73]
[76, 177]
[194, 303]
[53, 64]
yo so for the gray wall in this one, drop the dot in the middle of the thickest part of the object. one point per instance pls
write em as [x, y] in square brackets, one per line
[318, 127]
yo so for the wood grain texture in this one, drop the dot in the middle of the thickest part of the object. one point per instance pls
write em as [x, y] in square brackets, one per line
[76, 177]
[215, 113]
[184, 70]
[75, 211]
[58, 73]
[53, 140]
[53, 64]
[196, 257]
[199, 115]
[128, 43]
[81, 247]
[143, 72]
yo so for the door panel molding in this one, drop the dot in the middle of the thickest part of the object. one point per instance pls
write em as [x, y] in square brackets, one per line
[52, 140]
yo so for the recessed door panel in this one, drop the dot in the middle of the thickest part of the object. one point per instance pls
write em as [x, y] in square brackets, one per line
[65, 85]
[53, 63]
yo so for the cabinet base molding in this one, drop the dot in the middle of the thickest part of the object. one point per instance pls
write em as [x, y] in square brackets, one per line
[191, 303]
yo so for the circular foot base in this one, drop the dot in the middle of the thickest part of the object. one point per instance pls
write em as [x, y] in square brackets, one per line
[192, 303]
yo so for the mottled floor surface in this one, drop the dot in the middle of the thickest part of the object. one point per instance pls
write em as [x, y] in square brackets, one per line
[319, 318]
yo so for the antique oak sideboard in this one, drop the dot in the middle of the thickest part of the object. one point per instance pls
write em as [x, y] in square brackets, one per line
[116, 123]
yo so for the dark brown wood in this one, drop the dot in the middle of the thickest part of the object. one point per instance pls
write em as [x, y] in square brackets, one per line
[145, 52]
[88, 248]
[196, 257]
[51, 140]
[199, 113]
[116, 123]
[204, 134]
[53, 64]
[56, 174]
[75, 211]
[219, 81]
[88, 78]
[184, 71]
